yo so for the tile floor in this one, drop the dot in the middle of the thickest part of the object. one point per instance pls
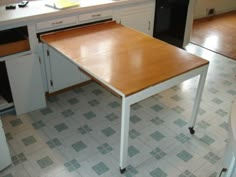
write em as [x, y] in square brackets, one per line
[78, 134]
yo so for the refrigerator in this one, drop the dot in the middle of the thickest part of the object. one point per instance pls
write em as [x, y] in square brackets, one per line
[171, 18]
[5, 158]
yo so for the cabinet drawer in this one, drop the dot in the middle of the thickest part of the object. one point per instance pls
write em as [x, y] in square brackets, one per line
[57, 23]
[95, 15]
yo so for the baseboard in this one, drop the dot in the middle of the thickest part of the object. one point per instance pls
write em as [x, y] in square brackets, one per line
[217, 12]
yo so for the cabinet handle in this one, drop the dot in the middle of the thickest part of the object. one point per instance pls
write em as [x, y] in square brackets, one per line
[96, 15]
[149, 25]
[57, 23]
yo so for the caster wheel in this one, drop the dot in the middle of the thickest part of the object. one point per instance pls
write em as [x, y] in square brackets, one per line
[122, 170]
[191, 130]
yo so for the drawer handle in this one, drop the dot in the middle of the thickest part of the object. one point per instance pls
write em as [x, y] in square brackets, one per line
[96, 15]
[57, 23]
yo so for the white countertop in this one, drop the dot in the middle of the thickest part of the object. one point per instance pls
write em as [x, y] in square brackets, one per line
[38, 10]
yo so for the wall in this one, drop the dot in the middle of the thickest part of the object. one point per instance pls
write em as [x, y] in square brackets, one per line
[220, 6]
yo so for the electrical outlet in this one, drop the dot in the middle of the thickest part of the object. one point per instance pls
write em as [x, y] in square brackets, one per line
[210, 12]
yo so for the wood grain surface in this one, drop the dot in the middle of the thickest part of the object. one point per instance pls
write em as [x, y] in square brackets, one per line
[127, 60]
[216, 33]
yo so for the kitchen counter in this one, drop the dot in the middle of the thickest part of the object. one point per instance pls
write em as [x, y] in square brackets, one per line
[37, 10]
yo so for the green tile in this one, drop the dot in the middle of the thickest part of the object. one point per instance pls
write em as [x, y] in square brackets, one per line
[78, 90]
[16, 122]
[73, 101]
[132, 151]
[185, 156]
[79, 146]
[213, 90]
[61, 127]
[15, 160]
[187, 173]
[52, 99]
[158, 173]
[9, 136]
[97, 92]
[207, 139]
[89, 115]
[232, 92]
[69, 167]
[18, 158]
[135, 119]
[133, 134]
[45, 162]
[108, 131]
[203, 124]
[157, 121]
[157, 136]
[136, 106]
[217, 101]
[46, 111]
[180, 123]
[72, 165]
[221, 112]
[84, 129]
[105, 148]
[22, 157]
[67, 113]
[28, 140]
[114, 104]
[100, 168]
[226, 82]
[111, 117]
[178, 109]
[130, 171]
[54, 143]
[38, 125]
[156, 108]
[176, 98]
[201, 111]
[212, 158]
[182, 138]
[93, 102]
[158, 153]
[225, 126]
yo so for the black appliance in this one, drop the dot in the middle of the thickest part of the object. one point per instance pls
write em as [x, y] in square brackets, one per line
[170, 21]
[5, 90]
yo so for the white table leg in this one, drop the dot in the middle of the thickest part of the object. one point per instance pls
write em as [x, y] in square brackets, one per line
[125, 117]
[198, 99]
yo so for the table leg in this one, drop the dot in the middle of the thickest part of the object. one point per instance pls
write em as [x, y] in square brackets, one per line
[125, 117]
[198, 99]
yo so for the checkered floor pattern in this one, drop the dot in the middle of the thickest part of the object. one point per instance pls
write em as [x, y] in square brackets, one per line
[78, 134]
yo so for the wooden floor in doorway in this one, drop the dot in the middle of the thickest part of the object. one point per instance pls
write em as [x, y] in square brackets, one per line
[217, 33]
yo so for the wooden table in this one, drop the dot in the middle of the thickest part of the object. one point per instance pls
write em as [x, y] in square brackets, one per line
[131, 64]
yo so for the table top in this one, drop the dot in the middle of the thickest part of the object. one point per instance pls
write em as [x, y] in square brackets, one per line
[122, 58]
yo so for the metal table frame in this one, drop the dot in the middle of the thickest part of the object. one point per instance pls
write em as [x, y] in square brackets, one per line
[129, 100]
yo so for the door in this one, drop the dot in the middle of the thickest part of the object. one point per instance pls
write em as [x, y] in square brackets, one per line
[61, 72]
[26, 83]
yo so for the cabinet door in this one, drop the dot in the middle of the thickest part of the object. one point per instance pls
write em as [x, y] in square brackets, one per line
[63, 72]
[26, 83]
[138, 17]
[139, 21]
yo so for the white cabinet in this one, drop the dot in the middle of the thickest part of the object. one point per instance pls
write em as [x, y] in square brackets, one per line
[61, 73]
[139, 17]
[95, 16]
[26, 83]
[57, 23]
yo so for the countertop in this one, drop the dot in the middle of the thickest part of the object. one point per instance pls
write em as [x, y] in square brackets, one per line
[37, 10]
